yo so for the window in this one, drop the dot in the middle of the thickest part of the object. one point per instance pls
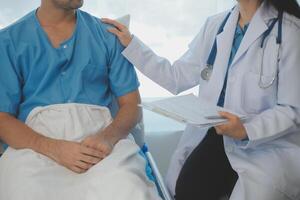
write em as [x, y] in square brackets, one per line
[166, 26]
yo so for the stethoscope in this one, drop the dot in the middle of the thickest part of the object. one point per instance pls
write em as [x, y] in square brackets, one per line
[207, 71]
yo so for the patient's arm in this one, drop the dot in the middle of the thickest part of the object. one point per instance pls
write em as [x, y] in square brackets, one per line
[72, 155]
[127, 117]
[17, 134]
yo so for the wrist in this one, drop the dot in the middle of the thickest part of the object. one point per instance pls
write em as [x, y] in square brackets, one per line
[130, 39]
[244, 135]
[44, 145]
[111, 134]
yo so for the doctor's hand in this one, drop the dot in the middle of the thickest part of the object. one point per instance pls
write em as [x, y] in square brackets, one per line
[120, 31]
[99, 142]
[233, 128]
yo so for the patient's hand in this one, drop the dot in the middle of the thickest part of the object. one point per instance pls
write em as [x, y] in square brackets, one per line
[99, 142]
[75, 156]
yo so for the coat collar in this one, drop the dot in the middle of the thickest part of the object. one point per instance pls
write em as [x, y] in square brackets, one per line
[224, 45]
[257, 26]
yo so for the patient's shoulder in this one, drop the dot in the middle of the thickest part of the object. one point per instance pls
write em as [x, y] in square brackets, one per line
[23, 30]
[96, 24]
[19, 24]
[100, 31]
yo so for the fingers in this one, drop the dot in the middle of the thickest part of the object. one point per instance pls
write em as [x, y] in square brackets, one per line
[91, 152]
[118, 25]
[229, 116]
[218, 130]
[105, 148]
[233, 128]
[221, 129]
[83, 165]
[97, 147]
[229, 126]
[77, 170]
[120, 30]
[90, 159]
[115, 32]
[225, 128]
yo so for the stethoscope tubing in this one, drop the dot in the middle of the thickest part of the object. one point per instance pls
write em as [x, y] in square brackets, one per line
[207, 71]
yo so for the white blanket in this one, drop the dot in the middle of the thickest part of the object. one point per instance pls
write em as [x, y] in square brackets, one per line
[26, 175]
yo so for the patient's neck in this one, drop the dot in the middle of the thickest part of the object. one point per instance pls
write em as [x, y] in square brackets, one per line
[59, 24]
[50, 15]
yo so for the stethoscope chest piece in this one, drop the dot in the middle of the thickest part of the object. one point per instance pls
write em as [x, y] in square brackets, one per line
[206, 73]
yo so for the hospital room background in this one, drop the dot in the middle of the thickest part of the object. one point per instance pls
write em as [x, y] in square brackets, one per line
[167, 26]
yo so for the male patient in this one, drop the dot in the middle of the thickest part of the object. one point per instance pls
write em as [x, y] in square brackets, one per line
[60, 70]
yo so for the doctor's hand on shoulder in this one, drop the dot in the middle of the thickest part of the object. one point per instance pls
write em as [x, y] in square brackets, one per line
[120, 31]
[234, 128]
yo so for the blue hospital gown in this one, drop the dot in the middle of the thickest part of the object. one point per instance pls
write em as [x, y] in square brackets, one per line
[87, 68]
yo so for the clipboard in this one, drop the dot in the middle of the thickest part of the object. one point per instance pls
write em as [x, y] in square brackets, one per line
[189, 109]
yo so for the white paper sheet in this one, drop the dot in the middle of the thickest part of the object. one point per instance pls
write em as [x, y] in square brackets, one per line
[188, 109]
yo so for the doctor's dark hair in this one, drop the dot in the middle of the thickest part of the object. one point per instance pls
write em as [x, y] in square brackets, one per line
[289, 6]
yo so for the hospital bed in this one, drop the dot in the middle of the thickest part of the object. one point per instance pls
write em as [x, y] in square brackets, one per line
[154, 141]
[161, 155]
[138, 134]
[142, 138]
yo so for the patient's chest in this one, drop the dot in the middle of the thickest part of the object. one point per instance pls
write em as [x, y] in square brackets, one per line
[75, 72]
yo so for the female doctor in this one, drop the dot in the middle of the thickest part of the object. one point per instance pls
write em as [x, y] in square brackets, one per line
[247, 60]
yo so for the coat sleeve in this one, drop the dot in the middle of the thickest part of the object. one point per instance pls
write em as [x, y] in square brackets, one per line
[180, 76]
[284, 118]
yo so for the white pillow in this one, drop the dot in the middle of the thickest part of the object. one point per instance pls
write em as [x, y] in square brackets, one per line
[125, 20]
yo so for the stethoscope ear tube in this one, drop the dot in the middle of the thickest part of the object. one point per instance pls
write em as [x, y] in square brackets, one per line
[261, 83]
[279, 36]
[267, 32]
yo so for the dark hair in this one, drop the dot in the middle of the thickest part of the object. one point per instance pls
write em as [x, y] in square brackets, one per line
[289, 6]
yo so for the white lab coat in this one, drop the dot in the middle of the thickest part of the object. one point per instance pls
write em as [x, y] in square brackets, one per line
[268, 164]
